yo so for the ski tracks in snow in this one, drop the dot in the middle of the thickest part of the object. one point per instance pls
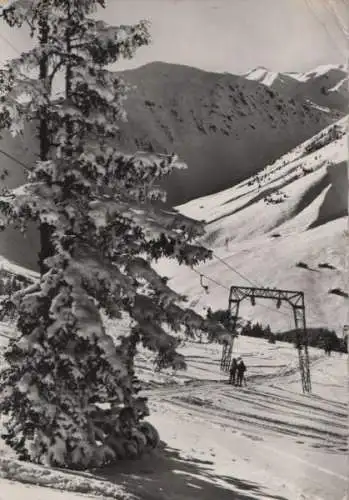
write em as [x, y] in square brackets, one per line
[265, 412]
[266, 407]
[269, 428]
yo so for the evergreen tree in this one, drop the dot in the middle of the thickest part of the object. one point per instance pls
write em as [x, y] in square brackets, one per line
[100, 231]
[222, 317]
[247, 329]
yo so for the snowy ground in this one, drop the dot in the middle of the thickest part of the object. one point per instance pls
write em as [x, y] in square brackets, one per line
[263, 441]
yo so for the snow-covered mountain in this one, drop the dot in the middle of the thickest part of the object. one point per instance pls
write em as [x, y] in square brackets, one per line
[283, 228]
[326, 85]
[210, 120]
[288, 186]
[225, 127]
[269, 78]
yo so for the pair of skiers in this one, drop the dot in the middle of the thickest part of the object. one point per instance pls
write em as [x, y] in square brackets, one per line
[237, 371]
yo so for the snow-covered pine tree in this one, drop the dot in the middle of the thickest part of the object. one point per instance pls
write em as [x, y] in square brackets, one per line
[100, 230]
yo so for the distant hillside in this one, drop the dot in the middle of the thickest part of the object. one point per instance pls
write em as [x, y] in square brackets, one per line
[225, 127]
[19, 248]
[305, 188]
[326, 86]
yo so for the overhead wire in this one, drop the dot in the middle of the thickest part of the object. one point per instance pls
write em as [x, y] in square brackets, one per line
[253, 283]
[27, 168]
[210, 279]
[11, 157]
[229, 266]
[256, 284]
[10, 44]
[228, 289]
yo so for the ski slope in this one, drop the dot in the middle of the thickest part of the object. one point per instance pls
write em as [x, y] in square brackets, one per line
[265, 440]
[294, 211]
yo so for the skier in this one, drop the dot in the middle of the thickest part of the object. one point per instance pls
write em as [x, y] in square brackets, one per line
[233, 368]
[241, 368]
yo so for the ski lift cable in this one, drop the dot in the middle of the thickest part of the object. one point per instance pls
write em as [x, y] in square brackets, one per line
[210, 279]
[228, 289]
[253, 283]
[11, 157]
[10, 44]
[28, 169]
[229, 266]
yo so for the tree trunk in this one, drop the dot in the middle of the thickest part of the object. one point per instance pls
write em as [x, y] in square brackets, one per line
[46, 247]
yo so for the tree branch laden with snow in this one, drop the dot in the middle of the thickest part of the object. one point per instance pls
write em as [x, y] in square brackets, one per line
[100, 231]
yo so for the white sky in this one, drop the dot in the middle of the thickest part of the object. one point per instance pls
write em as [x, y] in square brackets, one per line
[225, 35]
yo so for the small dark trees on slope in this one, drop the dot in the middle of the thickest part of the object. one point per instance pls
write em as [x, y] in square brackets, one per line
[339, 291]
[325, 265]
[302, 265]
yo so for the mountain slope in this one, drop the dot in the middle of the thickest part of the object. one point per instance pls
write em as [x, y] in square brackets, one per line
[225, 127]
[209, 119]
[326, 86]
[284, 228]
[312, 174]
[212, 121]
[19, 248]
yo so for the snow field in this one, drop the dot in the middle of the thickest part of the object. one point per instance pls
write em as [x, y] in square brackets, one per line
[265, 440]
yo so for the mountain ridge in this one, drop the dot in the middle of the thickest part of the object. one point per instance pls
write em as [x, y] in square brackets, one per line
[325, 85]
[223, 126]
[210, 119]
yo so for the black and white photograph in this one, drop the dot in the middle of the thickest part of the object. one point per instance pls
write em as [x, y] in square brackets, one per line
[174, 249]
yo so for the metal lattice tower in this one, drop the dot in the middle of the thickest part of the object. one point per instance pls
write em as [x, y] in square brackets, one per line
[227, 354]
[296, 301]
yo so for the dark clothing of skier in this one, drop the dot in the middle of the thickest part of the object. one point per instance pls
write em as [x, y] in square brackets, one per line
[241, 368]
[233, 369]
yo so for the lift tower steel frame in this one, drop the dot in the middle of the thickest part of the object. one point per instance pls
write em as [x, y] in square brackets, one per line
[296, 301]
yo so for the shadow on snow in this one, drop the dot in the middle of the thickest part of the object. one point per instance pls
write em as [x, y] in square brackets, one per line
[165, 475]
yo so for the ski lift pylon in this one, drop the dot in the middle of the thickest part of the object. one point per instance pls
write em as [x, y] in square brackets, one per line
[205, 287]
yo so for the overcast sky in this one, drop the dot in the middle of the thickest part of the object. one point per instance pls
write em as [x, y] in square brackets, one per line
[225, 35]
